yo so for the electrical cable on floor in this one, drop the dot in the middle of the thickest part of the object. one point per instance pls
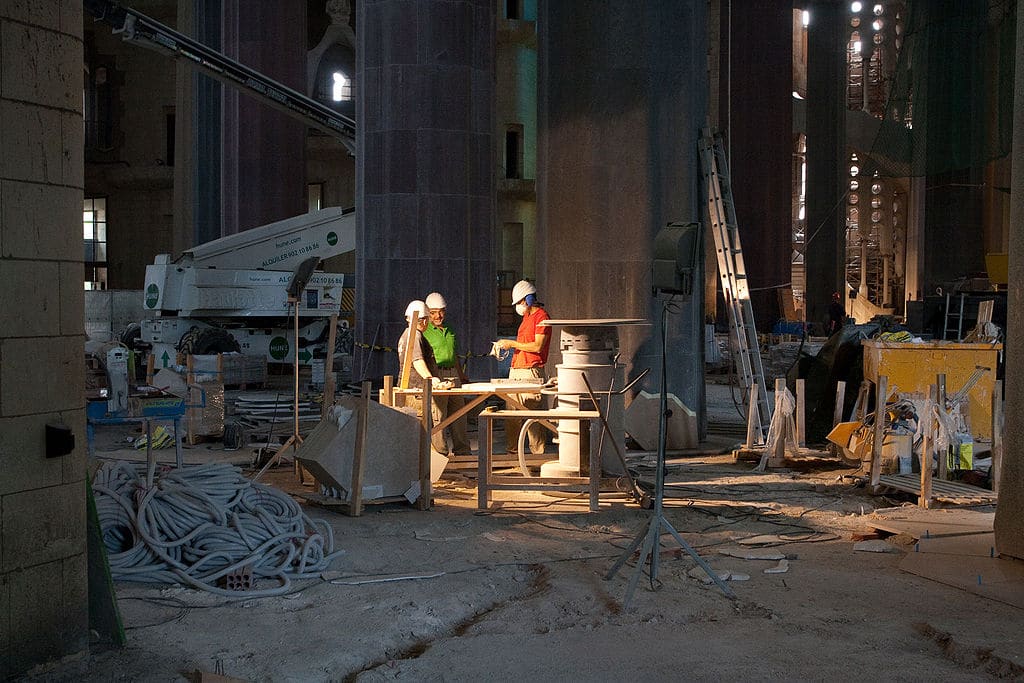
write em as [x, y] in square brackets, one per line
[206, 525]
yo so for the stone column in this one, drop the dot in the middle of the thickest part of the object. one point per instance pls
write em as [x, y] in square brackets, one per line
[264, 155]
[43, 590]
[424, 170]
[825, 255]
[1009, 524]
[622, 98]
[759, 138]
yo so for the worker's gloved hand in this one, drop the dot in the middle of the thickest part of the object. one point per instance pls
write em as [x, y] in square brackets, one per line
[499, 349]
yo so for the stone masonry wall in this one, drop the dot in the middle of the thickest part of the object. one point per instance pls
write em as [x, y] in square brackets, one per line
[43, 583]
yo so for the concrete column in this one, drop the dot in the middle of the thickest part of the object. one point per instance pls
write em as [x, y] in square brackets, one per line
[1009, 524]
[43, 589]
[424, 170]
[197, 140]
[759, 135]
[622, 98]
[263, 174]
[825, 261]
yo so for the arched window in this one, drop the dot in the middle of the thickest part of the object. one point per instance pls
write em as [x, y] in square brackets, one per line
[341, 87]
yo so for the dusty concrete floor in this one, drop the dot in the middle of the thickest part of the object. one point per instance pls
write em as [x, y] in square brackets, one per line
[518, 592]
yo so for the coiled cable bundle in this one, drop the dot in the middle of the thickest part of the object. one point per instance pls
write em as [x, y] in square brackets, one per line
[203, 525]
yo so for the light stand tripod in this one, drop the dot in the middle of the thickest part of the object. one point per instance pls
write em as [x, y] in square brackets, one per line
[300, 277]
[651, 536]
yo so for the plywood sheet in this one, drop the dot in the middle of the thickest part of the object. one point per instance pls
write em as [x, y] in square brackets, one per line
[921, 523]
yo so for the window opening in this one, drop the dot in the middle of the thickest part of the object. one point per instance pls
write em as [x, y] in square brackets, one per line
[94, 232]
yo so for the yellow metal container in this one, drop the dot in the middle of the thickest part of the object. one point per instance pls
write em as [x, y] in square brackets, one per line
[912, 368]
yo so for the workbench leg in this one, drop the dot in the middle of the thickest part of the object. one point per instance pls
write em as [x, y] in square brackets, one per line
[483, 467]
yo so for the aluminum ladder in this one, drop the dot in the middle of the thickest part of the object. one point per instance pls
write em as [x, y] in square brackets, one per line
[722, 219]
[954, 312]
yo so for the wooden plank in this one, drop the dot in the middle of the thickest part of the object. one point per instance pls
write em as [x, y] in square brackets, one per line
[996, 470]
[927, 447]
[881, 396]
[837, 413]
[953, 492]
[428, 423]
[329, 387]
[359, 451]
[921, 523]
[410, 339]
[801, 407]
[753, 419]
[991, 577]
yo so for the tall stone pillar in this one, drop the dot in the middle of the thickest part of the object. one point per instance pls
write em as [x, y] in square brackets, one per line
[197, 134]
[622, 98]
[1009, 524]
[264, 154]
[825, 259]
[424, 170]
[759, 133]
[43, 569]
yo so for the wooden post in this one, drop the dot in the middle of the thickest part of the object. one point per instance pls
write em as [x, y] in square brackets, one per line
[428, 426]
[940, 400]
[778, 456]
[837, 413]
[753, 419]
[801, 425]
[150, 368]
[876, 444]
[355, 506]
[387, 396]
[410, 339]
[925, 499]
[860, 406]
[328, 400]
[996, 471]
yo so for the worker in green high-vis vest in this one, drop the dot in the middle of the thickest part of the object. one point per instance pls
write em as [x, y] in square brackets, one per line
[446, 351]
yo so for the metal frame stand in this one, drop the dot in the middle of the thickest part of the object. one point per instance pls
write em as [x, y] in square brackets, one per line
[651, 536]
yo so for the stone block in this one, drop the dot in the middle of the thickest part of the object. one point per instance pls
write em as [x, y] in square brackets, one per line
[72, 299]
[35, 615]
[27, 361]
[36, 219]
[32, 144]
[642, 421]
[22, 451]
[6, 667]
[43, 525]
[74, 465]
[73, 150]
[36, 12]
[74, 623]
[41, 67]
[390, 459]
[71, 17]
[30, 299]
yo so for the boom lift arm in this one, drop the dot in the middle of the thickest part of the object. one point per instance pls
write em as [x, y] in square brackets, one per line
[146, 32]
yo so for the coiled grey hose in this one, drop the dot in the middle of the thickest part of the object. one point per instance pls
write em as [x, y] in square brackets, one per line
[197, 525]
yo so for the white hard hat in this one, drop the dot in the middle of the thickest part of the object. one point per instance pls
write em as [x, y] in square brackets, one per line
[521, 289]
[435, 300]
[417, 308]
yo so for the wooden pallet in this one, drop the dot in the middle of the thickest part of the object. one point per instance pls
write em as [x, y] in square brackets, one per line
[951, 492]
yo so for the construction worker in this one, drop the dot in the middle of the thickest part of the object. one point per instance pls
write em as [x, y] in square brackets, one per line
[836, 314]
[446, 352]
[530, 354]
[424, 367]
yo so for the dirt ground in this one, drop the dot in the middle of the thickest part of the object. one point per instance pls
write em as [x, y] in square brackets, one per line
[518, 592]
